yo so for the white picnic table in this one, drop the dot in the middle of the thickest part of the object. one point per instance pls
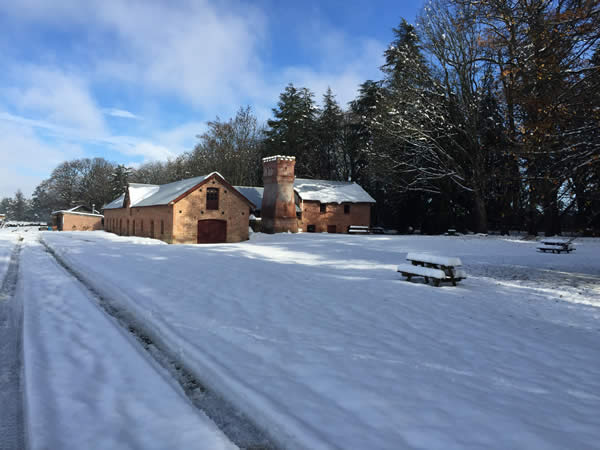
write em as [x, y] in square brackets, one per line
[556, 245]
[438, 268]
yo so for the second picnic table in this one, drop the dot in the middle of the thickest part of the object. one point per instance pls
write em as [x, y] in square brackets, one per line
[556, 246]
[438, 268]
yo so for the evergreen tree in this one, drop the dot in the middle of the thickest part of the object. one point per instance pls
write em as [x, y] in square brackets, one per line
[119, 180]
[292, 132]
[330, 133]
[19, 207]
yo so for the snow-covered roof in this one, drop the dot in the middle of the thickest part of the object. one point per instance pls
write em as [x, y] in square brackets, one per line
[325, 191]
[76, 210]
[116, 203]
[252, 193]
[155, 195]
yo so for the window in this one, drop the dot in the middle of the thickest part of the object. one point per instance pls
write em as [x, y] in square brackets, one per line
[212, 198]
[152, 229]
[323, 208]
[133, 228]
[142, 227]
[127, 227]
[346, 209]
[311, 228]
[162, 227]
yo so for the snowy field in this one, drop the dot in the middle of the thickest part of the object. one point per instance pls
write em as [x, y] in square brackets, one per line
[8, 240]
[317, 338]
[320, 341]
[87, 384]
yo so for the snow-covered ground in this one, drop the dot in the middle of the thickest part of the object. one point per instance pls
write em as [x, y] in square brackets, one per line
[87, 382]
[320, 340]
[8, 241]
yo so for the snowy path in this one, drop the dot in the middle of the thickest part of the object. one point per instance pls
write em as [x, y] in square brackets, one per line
[11, 394]
[87, 383]
[321, 342]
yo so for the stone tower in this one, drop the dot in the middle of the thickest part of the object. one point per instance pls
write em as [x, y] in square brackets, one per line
[278, 205]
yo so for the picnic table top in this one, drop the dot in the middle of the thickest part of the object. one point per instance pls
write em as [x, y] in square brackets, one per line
[446, 261]
[556, 241]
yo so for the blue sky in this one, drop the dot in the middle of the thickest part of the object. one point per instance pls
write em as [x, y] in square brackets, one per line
[137, 80]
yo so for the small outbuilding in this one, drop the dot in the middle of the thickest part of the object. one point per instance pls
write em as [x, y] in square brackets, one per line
[79, 218]
[203, 210]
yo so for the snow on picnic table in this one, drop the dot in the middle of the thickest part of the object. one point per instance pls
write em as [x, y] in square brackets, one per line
[87, 384]
[320, 340]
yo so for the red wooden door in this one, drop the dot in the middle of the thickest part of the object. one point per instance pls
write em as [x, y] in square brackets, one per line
[212, 231]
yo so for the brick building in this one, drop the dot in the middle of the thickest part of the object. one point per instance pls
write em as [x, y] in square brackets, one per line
[294, 204]
[79, 218]
[204, 209]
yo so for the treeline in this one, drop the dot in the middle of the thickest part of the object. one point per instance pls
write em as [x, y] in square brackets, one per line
[487, 117]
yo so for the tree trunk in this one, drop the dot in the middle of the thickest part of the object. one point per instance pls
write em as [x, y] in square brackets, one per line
[551, 216]
[479, 213]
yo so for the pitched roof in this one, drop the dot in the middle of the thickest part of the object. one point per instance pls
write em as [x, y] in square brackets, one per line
[156, 195]
[252, 193]
[326, 191]
[323, 191]
[76, 210]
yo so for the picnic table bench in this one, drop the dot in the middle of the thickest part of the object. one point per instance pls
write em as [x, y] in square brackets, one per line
[363, 229]
[556, 246]
[438, 268]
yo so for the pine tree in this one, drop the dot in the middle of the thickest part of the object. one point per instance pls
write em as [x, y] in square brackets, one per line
[292, 131]
[19, 206]
[330, 135]
[119, 180]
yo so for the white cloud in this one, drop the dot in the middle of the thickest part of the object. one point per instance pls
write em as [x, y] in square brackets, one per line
[211, 57]
[25, 159]
[55, 96]
[115, 112]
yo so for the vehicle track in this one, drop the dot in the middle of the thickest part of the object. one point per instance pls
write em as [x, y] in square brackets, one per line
[12, 435]
[239, 428]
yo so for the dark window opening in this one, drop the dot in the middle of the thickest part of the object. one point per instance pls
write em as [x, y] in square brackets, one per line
[346, 209]
[212, 198]
[323, 208]
[162, 227]
[311, 228]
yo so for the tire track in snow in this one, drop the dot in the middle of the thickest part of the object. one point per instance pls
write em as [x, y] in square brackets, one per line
[235, 425]
[12, 434]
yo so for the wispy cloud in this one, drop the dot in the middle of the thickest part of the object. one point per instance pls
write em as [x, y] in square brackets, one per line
[164, 68]
[114, 112]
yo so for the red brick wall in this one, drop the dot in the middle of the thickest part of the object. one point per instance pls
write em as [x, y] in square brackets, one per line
[78, 222]
[360, 214]
[143, 218]
[278, 210]
[192, 208]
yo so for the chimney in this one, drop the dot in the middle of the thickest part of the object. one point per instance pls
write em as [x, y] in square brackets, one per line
[278, 210]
